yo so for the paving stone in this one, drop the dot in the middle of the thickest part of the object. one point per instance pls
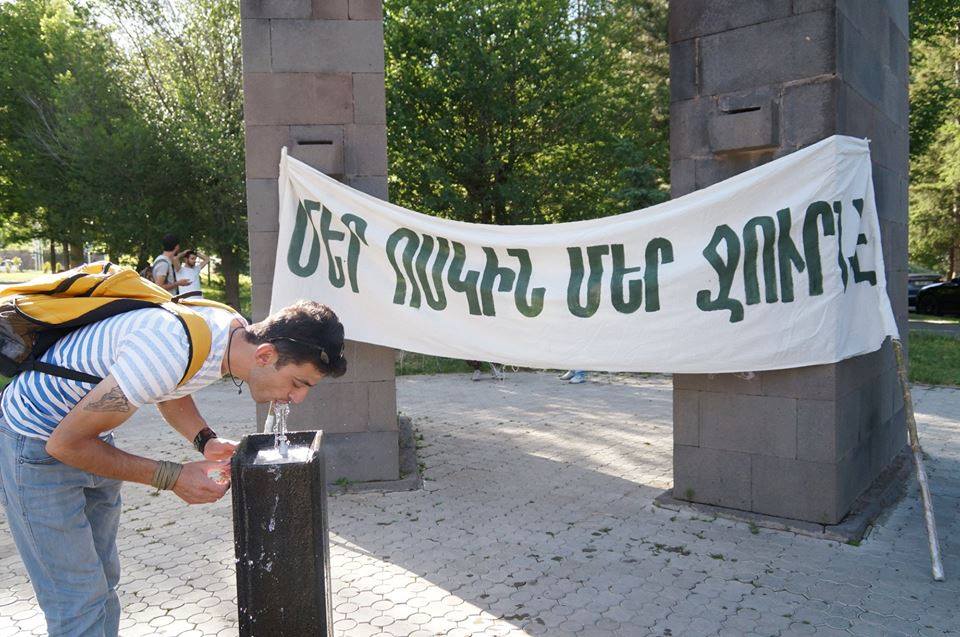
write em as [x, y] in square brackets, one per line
[512, 462]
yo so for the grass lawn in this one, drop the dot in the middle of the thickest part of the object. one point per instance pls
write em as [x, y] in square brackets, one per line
[410, 364]
[214, 290]
[934, 358]
[407, 364]
[943, 320]
[17, 277]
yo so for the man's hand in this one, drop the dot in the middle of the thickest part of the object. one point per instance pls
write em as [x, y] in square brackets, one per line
[219, 449]
[182, 282]
[195, 486]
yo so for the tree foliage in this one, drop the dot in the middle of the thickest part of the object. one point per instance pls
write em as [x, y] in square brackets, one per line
[185, 59]
[68, 132]
[526, 112]
[121, 121]
[935, 135]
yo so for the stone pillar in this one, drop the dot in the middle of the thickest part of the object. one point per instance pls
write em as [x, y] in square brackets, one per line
[752, 81]
[313, 81]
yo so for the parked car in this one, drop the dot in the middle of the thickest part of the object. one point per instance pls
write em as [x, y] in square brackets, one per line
[940, 298]
[917, 281]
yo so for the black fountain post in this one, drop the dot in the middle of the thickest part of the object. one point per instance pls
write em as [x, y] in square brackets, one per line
[280, 535]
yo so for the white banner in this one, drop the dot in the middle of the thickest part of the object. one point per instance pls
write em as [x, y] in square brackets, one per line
[774, 268]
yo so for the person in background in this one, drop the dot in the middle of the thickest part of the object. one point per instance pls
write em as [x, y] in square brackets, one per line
[165, 267]
[191, 265]
[574, 376]
[478, 375]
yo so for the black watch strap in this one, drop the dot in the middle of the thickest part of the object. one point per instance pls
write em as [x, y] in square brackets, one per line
[203, 436]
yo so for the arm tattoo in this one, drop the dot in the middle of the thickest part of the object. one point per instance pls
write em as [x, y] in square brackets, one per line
[113, 400]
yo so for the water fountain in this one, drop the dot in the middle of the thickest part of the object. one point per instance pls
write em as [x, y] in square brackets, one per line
[280, 532]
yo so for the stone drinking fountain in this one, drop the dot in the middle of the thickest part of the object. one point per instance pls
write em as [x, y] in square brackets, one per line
[280, 534]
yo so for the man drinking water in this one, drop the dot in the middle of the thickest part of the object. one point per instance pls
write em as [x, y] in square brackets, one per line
[60, 475]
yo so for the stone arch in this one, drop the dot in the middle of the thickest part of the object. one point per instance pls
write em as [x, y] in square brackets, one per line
[750, 81]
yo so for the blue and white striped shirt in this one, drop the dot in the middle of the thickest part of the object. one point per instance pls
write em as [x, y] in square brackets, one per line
[146, 351]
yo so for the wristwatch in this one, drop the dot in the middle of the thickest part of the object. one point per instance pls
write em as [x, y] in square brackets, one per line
[204, 436]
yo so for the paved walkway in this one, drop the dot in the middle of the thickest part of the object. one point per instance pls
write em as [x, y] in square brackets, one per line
[537, 518]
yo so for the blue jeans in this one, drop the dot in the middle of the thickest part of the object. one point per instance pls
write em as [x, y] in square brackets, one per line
[64, 522]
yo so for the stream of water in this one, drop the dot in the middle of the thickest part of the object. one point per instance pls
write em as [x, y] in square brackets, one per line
[281, 452]
[282, 410]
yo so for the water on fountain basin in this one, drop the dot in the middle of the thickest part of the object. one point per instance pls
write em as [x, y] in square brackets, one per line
[272, 455]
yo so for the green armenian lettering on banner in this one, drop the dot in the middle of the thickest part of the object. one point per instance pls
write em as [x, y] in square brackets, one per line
[479, 287]
[859, 276]
[428, 269]
[726, 269]
[781, 266]
[658, 251]
[327, 236]
[468, 284]
[297, 240]
[779, 255]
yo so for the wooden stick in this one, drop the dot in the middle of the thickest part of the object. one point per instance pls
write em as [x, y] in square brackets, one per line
[932, 540]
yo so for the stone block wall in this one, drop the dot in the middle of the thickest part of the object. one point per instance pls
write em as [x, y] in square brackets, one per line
[753, 80]
[313, 81]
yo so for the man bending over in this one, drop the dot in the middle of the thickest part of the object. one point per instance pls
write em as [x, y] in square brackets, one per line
[60, 475]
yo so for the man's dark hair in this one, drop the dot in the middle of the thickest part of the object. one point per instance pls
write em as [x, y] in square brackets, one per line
[190, 253]
[170, 241]
[305, 332]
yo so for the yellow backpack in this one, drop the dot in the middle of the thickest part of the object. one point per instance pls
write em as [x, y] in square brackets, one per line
[35, 314]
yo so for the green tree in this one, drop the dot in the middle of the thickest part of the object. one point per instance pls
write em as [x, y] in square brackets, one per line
[185, 59]
[526, 112]
[78, 164]
[935, 135]
[47, 56]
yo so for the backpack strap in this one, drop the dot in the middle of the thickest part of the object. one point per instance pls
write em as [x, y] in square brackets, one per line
[186, 295]
[171, 276]
[86, 310]
[199, 338]
[57, 370]
[57, 304]
[197, 333]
